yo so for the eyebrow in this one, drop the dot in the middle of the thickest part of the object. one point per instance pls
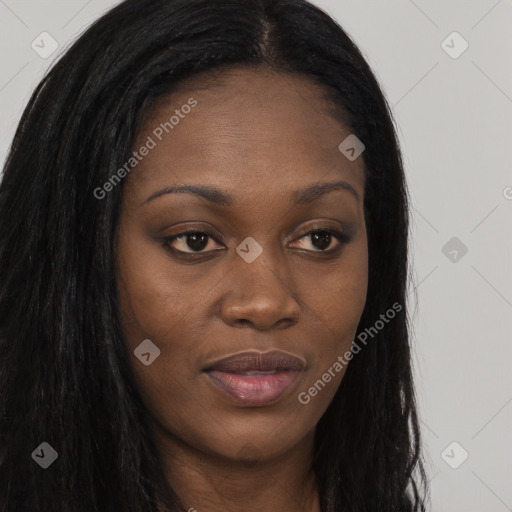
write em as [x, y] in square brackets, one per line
[216, 196]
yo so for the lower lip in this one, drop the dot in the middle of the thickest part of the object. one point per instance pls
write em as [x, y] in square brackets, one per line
[255, 390]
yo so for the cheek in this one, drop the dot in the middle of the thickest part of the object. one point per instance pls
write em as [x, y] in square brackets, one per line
[152, 301]
[337, 293]
[336, 300]
[154, 305]
[353, 282]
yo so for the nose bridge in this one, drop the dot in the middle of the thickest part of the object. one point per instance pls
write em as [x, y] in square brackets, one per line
[261, 290]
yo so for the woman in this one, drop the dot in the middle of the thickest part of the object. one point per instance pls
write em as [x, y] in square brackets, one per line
[203, 258]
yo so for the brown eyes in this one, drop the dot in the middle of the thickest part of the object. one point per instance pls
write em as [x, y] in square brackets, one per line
[196, 241]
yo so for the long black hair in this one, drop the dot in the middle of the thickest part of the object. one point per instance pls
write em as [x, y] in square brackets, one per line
[65, 377]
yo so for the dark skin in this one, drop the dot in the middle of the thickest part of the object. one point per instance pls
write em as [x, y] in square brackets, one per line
[259, 136]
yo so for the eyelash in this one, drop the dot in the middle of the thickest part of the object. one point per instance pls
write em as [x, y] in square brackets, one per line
[341, 237]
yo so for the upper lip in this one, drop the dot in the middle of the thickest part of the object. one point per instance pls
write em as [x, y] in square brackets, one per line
[262, 361]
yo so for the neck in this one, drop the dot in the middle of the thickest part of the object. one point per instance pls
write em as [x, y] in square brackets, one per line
[212, 483]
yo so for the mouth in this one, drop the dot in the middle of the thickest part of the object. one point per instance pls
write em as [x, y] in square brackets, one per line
[255, 378]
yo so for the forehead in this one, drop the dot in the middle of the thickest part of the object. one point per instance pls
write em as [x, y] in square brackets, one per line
[250, 130]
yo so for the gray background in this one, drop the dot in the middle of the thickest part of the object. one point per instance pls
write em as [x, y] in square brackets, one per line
[455, 126]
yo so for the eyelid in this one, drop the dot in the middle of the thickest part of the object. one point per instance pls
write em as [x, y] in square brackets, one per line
[191, 228]
[319, 226]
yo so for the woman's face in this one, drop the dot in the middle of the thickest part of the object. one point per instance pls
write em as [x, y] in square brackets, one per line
[260, 280]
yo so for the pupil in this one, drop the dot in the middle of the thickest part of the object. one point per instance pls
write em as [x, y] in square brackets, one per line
[321, 238]
[197, 241]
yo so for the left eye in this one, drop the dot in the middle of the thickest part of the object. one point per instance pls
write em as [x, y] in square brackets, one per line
[322, 239]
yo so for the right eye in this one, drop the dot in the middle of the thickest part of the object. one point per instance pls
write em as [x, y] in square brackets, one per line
[194, 240]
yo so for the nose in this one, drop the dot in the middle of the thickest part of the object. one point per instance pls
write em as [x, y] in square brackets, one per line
[260, 297]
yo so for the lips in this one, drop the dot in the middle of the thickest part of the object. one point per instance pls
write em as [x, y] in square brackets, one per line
[255, 378]
[272, 361]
